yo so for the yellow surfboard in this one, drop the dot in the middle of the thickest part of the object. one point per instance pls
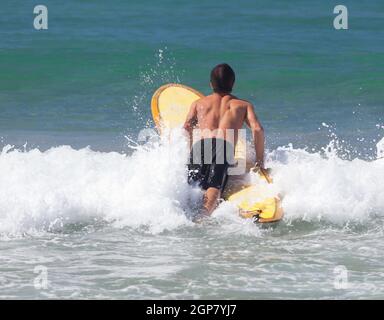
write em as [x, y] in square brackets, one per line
[170, 105]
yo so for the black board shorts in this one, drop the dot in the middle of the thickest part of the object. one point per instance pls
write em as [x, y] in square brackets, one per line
[209, 162]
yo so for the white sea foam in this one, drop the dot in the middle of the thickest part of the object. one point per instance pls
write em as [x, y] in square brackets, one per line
[40, 190]
[148, 189]
[325, 187]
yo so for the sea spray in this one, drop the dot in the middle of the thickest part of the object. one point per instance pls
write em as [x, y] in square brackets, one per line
[148, 189]
[325, 187]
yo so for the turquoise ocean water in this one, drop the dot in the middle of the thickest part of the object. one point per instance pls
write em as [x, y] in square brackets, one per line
[108, 217]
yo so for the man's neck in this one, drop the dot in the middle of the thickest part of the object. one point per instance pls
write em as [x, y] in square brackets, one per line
[221, 94]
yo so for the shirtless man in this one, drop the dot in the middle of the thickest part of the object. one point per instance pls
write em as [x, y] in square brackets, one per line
[212, 116]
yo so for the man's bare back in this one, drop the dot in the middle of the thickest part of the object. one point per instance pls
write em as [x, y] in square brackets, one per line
[214, 115]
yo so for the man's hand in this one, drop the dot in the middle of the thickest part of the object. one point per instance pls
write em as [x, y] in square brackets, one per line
[263, 172]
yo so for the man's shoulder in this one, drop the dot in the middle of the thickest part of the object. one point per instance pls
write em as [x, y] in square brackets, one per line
[204, 100]
[240, 102]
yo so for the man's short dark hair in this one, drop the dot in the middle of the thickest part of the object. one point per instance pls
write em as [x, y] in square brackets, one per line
[222, 78]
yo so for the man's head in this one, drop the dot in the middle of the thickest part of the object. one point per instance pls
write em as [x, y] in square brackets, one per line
[222, 78]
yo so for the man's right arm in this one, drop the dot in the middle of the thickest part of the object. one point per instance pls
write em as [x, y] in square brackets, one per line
[191, 122]
[257, 134]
